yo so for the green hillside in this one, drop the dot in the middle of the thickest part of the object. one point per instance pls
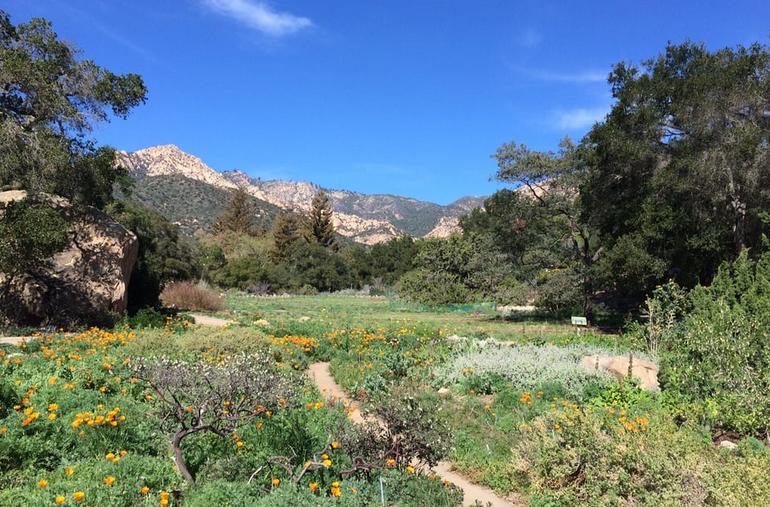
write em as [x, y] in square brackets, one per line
[191, 203]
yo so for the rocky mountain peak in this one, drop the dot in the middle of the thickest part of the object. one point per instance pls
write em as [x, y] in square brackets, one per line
[169, 159]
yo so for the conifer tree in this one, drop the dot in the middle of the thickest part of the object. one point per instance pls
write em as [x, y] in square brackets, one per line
[287, 230]
[239, 214]
[320, 225]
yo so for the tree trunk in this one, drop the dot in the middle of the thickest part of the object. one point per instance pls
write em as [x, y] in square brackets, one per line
[179, 458]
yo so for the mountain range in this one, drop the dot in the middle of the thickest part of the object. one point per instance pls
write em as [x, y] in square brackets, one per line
[192, 194]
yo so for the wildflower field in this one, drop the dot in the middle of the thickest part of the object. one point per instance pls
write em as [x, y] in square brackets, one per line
[169, 413]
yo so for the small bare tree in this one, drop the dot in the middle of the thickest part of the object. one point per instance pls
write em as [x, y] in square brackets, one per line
[213, 397]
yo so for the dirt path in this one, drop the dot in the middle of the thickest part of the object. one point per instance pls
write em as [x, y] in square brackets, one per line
[206, 320]
[14, 340]
[322, 377]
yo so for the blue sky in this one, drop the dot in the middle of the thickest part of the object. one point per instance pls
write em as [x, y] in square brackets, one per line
[406, 97]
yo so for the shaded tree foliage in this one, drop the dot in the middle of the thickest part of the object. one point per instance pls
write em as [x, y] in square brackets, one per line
[287, 230]
[459, 269]
[680, 170]
[49, 101]
[382, 262]
[31, 233]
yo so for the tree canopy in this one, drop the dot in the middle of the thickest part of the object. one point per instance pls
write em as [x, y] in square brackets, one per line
[681, 167]
[239, 214]
[320, 224]
[49, 102]
[675, 181]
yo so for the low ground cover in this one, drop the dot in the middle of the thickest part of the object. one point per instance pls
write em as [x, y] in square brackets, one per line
[527, 419]
[80, 424]
[331, 312]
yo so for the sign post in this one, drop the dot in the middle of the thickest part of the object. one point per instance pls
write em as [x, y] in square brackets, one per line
[579, 322]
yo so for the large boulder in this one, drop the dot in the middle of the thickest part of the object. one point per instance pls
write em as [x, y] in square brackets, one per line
[84, 283]
[645, 371]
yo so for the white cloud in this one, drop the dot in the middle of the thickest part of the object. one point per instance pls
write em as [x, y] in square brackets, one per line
[260, 16]
[584, 76]
[580, 118]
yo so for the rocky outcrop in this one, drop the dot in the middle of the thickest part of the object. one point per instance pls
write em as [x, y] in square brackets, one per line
[85, 282]
[445, 227]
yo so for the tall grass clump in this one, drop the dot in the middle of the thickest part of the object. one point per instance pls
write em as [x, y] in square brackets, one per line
[191, 296]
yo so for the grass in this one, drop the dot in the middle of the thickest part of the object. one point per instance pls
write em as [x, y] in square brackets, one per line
[341, 311]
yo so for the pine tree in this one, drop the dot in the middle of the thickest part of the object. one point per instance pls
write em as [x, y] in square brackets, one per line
[321, 226]
[287, 230]
[239, 214]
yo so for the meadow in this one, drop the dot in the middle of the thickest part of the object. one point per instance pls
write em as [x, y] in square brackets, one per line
[469, 320]
[92, 418]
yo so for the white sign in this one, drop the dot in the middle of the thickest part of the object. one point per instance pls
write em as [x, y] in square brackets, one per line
[579, 321]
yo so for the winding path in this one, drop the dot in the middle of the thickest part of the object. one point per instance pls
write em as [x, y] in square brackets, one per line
[322, 377]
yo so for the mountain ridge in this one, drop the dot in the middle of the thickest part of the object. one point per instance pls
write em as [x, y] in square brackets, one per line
[161, 172]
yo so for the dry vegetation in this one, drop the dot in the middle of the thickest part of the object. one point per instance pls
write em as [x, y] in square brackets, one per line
[191, 296]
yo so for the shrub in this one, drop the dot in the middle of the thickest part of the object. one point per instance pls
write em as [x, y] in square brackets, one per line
[217, 398]
[559, 290]
[719, 361]
[415, 425]
[664, 310]
[458, 269]
[191, 296]
[255, 270]
[150, 318]
[307, 290]
[432, 288]
[524, 367]
[613, 456]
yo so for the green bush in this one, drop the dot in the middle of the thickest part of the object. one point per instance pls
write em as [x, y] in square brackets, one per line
[559, 291]
[415, 423]
[432, 288]
[614, 456]
[459, 269]
[718, 364]
[151, 318]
